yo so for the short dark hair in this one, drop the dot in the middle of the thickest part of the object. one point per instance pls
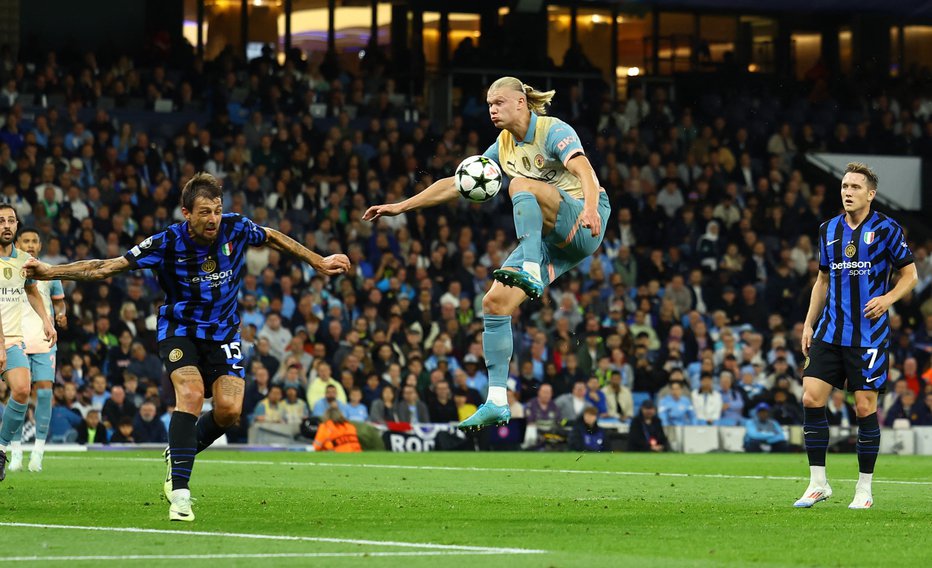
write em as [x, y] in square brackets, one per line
[25, 230]
[864, 170]
[202, 184]
[11, 208]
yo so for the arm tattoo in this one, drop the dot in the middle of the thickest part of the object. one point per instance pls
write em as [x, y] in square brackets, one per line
[283, 243]
[86, 270]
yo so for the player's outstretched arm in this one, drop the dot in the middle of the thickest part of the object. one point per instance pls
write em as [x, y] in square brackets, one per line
[82, 270]
[329, 265]
[440, 192]
[37, 303]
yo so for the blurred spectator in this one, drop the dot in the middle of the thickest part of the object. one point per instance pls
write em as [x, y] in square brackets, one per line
[90, 430]
[840, 413]
[124, 432]
[618, 399]
[785, 410]
[385, 408]
[464, 408]
[911, 375]
[336, 434]
[571, 404]
[99, 393]
[65, 423]
[707, 402]
[675, 408]
[330, 400]
[595, 397]
[763, 433]
[442, 408]
[587, 436]
[356, 411]
[646, 432]
[271, 410]
[256, 390]
[733, 401]
[295, 409]
[117, 407]
[410, 407]
[541, 412]
[147, 428]
[909, 409]
[145, 365]
[319, 386]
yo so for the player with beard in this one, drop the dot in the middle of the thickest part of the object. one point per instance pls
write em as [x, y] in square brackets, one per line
[199, 264]
[15, 288]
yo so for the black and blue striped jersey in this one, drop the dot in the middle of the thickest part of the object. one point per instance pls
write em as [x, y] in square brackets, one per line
[201, 282]
[859, 263]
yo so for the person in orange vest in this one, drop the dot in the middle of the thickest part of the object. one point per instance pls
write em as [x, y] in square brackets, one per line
[336, 433]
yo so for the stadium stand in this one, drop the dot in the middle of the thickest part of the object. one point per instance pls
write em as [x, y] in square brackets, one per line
[706, 266]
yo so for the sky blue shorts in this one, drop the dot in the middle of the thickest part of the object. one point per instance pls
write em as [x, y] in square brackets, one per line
[16, 357]
[568, 243]
[42, 366]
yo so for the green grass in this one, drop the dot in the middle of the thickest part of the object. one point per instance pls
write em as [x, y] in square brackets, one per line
[607, 510]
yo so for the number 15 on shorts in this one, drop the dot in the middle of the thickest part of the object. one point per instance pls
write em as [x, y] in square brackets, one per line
[234, 354]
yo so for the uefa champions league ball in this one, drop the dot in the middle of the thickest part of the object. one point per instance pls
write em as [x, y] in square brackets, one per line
[478, 178]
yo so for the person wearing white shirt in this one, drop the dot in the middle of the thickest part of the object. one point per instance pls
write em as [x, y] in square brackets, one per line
[707, 402]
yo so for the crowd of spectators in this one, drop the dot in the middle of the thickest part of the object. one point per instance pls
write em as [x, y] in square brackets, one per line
[694, 302]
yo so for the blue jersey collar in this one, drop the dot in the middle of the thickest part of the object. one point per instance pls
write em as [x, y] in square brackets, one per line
[531, 130]
[13, 253]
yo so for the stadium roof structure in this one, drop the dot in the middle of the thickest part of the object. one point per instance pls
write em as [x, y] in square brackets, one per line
[907, 8]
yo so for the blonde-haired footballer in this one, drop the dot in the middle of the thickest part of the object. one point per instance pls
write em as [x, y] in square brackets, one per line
[560, 213]
[13, 362]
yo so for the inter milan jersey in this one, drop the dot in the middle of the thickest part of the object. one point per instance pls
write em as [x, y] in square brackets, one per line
[859, 263]
[201, 282]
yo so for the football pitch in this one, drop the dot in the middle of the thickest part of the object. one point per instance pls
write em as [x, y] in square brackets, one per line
[464, 509]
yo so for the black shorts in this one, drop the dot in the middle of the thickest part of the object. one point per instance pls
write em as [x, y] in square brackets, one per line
[212, 358]
[864, 368]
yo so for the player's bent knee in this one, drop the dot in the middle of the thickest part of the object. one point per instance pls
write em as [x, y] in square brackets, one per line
[188, 399]
[812, 401]
[227, 415]
[494, 303]
[518, 185]
[864, 408]
[20, 394]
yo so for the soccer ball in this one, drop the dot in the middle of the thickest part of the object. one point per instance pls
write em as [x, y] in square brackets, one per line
[478, 178]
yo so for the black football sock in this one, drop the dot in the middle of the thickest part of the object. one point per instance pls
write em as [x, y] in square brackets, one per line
[182, 445]
[815, 431]
[207, 431]
[868, 442]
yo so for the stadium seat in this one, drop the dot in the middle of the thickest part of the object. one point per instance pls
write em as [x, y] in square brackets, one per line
[923, 445]
[731, 438]
[700, 439]
[639, 398]
[896, 441]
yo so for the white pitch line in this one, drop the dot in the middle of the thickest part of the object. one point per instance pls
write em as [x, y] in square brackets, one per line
[239, 556]
[490, 469]
[139, 530]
